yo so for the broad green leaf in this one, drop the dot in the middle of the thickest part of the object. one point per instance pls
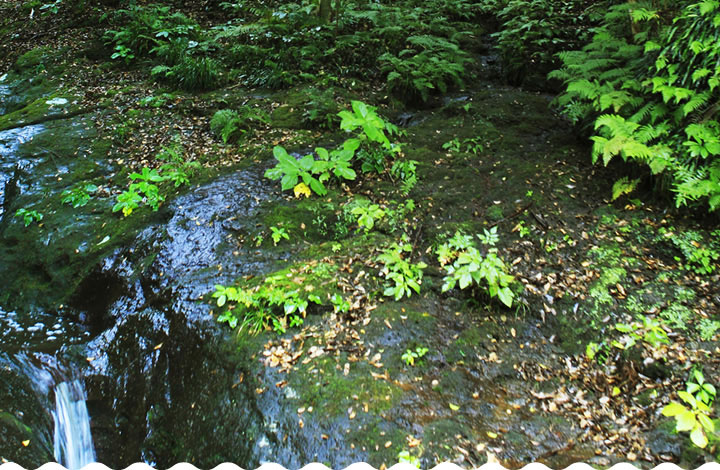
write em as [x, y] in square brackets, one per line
[318, 187]
[697, 436]
[685, 421]
[673, 409]
[706, 422]
[289, 181]
[322, 153]
[688, 398]
[506, 296]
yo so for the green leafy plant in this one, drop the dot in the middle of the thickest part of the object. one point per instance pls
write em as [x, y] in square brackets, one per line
[176, 168]
[231, 125]
[699, 255]
[366, 213]
[141, 28]
[522, 229]
[373, 142]
[278, 233]
[28, 216]
[466, 266]
[708, 328]
[597, 351]
[290, 171]
[648, 94]
[473, 145]
[397, 213]
[406, 172]
[403, 275]
[405, 457]
[269, 305]
[338, 162]
[702, 391]
[452, 145]
[695, 419]
[321, 109]
[52, 8]
[339, 303]
[190, 74]
[533, 31]
[156, 101]
[144, 190]
[78, 196]
[647, 329]
[410, 356]
[429, 64]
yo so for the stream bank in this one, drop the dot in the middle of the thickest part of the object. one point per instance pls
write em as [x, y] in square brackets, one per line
[126, 300]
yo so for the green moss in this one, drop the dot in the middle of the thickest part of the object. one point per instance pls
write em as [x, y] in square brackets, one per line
[374, 437]
[495, 213]
[32, 58]
[324, 386]
[36, 111]
[599, 291]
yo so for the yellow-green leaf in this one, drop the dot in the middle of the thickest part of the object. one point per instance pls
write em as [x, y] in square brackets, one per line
[685, 421]
[698, 437]
[453, 407]
[673, 409]
[706, 422]
[301, 189]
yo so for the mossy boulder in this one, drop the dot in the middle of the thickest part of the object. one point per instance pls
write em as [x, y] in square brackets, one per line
[287, 117]
[42, 109]
[32, 59]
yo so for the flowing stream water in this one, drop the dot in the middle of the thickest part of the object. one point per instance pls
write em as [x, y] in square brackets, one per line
[73, 444]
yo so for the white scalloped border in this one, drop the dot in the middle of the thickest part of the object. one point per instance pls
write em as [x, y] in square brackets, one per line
[359, 466]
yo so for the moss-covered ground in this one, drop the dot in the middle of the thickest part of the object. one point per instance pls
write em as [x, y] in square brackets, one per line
[551, 379]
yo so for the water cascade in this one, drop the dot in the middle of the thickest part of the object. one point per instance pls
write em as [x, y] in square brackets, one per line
[73, 441]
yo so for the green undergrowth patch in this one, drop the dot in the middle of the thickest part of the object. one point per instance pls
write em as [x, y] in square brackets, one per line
[643, 289]
[322, 383]
[282, 299]
[374, 437]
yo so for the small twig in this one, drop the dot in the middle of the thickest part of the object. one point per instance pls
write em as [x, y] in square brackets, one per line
[514, 214]
[540, 220]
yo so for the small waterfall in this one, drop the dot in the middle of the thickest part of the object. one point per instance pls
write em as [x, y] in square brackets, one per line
[73, 441]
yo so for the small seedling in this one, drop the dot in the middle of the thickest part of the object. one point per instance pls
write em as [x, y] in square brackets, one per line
[409, 355]
[278, 234]
[406, 457]
[701, 390]
[29, 216]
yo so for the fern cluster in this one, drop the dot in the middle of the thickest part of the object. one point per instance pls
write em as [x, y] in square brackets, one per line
[231, 125]
[168, 38]
[428, 64]
[648, 89]
[417, 49]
